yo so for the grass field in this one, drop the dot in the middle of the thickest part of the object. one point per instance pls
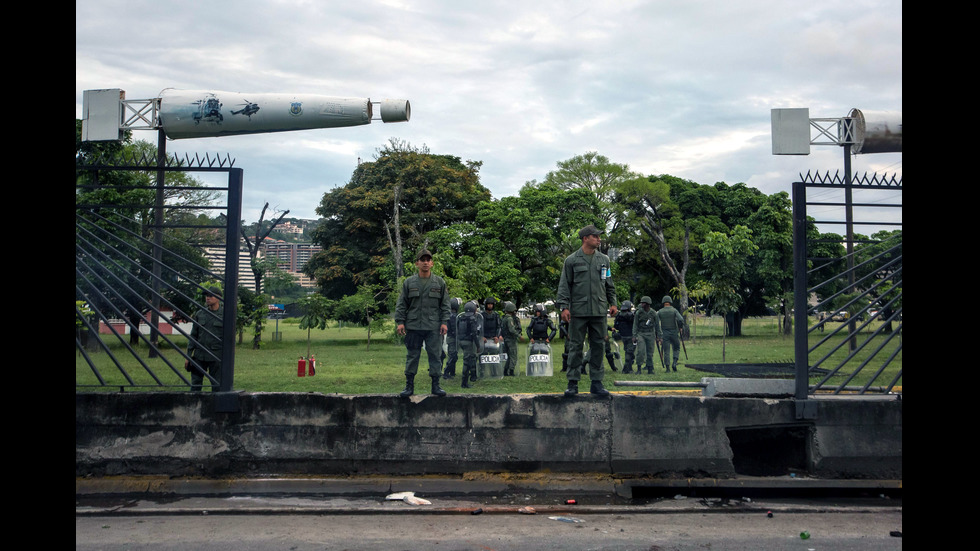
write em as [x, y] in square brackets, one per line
[347, 364]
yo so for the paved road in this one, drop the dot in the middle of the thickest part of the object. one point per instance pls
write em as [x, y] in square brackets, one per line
[493, 532]
[244, 523]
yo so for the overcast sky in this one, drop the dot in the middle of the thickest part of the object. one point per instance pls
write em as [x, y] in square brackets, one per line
[667, 87]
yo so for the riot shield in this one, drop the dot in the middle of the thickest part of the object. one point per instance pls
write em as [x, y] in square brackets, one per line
[539, 360]
[492, 361]
[617, 352]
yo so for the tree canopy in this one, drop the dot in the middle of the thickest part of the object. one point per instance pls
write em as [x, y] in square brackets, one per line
[659, 229]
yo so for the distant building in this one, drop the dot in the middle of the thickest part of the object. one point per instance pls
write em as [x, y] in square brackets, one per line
[292, 257]
[290, 228]
[216, 256]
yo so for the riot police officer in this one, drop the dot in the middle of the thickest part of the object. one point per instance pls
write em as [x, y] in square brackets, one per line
[623, 324]
[452, 350]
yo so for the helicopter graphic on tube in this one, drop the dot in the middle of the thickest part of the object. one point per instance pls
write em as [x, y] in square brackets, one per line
[201, 113]
[249, 110]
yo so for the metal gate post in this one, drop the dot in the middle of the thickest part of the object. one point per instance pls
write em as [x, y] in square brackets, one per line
[805, 409]
[225, 399]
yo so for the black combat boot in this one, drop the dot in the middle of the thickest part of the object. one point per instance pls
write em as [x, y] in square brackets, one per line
[572, 389]
[435, 387]
[409, 386]
[598, 389]
[466, 378]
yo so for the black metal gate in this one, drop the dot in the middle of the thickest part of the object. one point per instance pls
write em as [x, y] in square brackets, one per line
[848, 305]
[136, 289]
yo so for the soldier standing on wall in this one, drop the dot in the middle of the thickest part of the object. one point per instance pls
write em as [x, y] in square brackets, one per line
[422, 316]
[585, 295]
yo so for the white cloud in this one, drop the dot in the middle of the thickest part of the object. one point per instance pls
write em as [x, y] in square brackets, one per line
[683, 88]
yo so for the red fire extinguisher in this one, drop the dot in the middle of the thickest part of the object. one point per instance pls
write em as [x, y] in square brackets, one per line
[312, 366]
[301, 370]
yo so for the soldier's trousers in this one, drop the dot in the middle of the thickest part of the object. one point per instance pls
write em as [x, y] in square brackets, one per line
[649, 351]
[672, 347]
[468, 348]
[594, 328]
[433, 348]
[213, 369]
[452, 356]
[510, 348]
[629, 351]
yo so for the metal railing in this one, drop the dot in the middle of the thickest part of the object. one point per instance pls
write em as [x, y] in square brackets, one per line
[139, 277]
[855, 295]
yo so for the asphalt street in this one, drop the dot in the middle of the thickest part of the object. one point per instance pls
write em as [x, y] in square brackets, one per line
[327, 519]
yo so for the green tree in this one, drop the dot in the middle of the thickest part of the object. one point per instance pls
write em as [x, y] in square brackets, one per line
[725, 265]
[363, 308]
[646, 204]
[373, 225]
[260, 266]
[770, 273]
[599, 176]
[317, 310]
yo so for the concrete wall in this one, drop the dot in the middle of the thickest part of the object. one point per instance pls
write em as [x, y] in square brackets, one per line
[181, 434]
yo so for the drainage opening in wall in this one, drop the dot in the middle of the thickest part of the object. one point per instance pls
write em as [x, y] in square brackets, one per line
[769, 450]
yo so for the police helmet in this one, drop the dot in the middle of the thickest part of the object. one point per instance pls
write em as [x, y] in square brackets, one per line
[470, 307]
[454, 304]
[539, 307]
[627, 305]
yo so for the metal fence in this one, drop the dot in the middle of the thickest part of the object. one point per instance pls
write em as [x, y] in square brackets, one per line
[139, 278]
[848, 295]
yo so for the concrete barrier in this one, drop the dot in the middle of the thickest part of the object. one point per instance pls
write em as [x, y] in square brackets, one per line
[184, 434]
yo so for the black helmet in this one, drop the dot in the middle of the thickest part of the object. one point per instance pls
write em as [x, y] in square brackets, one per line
[490, 300]
[454, 304]
[470, 307]
[627, 305]
[539, 308]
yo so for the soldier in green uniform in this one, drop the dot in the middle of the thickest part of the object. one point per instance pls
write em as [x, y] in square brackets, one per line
[205, 344]
[510, 330]
[671, 323]
[624, 326]
[421, 316]
[469, 334]
[452, 352]
[645, 330]
[585, 295]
